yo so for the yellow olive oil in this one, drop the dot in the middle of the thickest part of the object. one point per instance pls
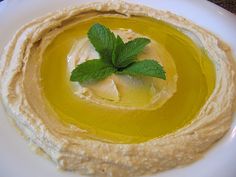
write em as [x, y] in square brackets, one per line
[196, 81]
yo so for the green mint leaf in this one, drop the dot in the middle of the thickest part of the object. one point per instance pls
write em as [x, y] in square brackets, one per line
[91, 70]
[118, 46]
[103, 41]
[128, 53]
[115, 57]
[145, 68]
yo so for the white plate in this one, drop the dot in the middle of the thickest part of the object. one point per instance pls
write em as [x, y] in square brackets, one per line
[16, 158]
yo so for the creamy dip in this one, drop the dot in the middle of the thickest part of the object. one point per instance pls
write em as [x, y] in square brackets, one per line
[128, 109]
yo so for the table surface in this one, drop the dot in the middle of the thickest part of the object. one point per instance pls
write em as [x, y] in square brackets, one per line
[230, 5]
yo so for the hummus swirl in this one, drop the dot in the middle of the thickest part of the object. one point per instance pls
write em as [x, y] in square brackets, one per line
[126, 92]
[21, 94]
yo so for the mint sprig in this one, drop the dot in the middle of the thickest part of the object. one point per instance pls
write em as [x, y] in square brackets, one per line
[145, 68]
[129, 51]
[91, 70]
[115, 57]
[103, 41]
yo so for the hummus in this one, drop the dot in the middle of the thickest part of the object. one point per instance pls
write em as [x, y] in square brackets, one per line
[68, 145]
[133, 93]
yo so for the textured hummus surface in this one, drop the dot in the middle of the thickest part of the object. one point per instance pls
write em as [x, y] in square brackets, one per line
[21, 95]
[111, 91]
